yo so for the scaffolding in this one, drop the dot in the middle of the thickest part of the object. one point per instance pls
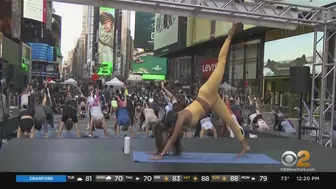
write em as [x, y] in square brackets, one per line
[264, 13]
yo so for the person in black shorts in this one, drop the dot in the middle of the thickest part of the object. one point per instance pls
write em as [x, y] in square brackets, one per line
[26, 119]
[69, 117]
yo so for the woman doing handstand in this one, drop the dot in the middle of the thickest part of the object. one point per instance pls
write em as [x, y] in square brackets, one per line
[208, 99]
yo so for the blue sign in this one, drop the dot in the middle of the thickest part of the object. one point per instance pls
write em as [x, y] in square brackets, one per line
[41, 178]
[42, 52]
[56, 74]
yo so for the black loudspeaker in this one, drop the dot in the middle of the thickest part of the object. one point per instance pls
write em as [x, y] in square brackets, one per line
[299, 79]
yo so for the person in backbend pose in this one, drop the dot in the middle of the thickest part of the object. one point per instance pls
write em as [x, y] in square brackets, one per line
[208, 99]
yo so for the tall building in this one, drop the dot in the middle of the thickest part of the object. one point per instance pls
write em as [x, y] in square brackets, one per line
[41, 30]
[85, 19]
[90, 39]
[80, 65]
[70, 64]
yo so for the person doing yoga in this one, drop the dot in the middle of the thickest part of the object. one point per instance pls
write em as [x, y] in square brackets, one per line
[69, 117]
[123, 119]
[97, 119]
[208, 99]
[26, 118]
[207, 128]
[148, 117]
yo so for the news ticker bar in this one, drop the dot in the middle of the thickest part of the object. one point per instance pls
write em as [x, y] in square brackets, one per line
[161, 178]
[140, 178]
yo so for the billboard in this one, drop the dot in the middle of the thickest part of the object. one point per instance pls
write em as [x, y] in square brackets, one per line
[35, 10]
[42, 52]
[106, 39]
[202, 30]
[10, 18]
[149, 64]
[26, 56]
[144, 30]
[56, 28]
[281, 54]
[166, 30]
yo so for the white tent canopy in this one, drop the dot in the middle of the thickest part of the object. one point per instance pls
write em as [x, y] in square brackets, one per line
[227, 87]
[115, 82]
[71, 82]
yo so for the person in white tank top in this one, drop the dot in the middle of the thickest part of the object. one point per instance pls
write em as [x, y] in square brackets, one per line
[207, 128]
[97, 120]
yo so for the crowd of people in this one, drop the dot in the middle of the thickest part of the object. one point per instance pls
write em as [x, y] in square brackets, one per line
[162, 116]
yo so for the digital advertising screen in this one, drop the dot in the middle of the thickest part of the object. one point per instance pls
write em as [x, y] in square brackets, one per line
[105, 69]
[42, 52]
[106, 38]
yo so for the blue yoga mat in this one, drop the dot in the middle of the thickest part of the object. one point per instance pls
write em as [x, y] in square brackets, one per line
[41, 134]
[207, 158]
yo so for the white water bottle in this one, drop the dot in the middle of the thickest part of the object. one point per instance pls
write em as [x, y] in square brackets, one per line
[127, 145]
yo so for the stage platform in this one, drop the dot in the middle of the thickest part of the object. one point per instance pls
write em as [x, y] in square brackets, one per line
[105, 155]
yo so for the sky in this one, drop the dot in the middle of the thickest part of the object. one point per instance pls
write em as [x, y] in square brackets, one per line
[72, 16]
[291, 48]
[307, 2]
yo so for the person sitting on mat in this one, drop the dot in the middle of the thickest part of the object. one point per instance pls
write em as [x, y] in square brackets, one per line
[69, 117]
[26, 118]
[97, 119]
[148, 117]
[207, 128]
[208, 99]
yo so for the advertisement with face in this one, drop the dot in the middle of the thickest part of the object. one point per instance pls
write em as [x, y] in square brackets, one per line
[166, 30]
[106, 37]
[281, 54]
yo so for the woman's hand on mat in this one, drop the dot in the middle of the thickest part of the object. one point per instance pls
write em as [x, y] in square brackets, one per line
[156, 157]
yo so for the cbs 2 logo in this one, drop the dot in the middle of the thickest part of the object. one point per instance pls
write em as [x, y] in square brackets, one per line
[289, 158]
